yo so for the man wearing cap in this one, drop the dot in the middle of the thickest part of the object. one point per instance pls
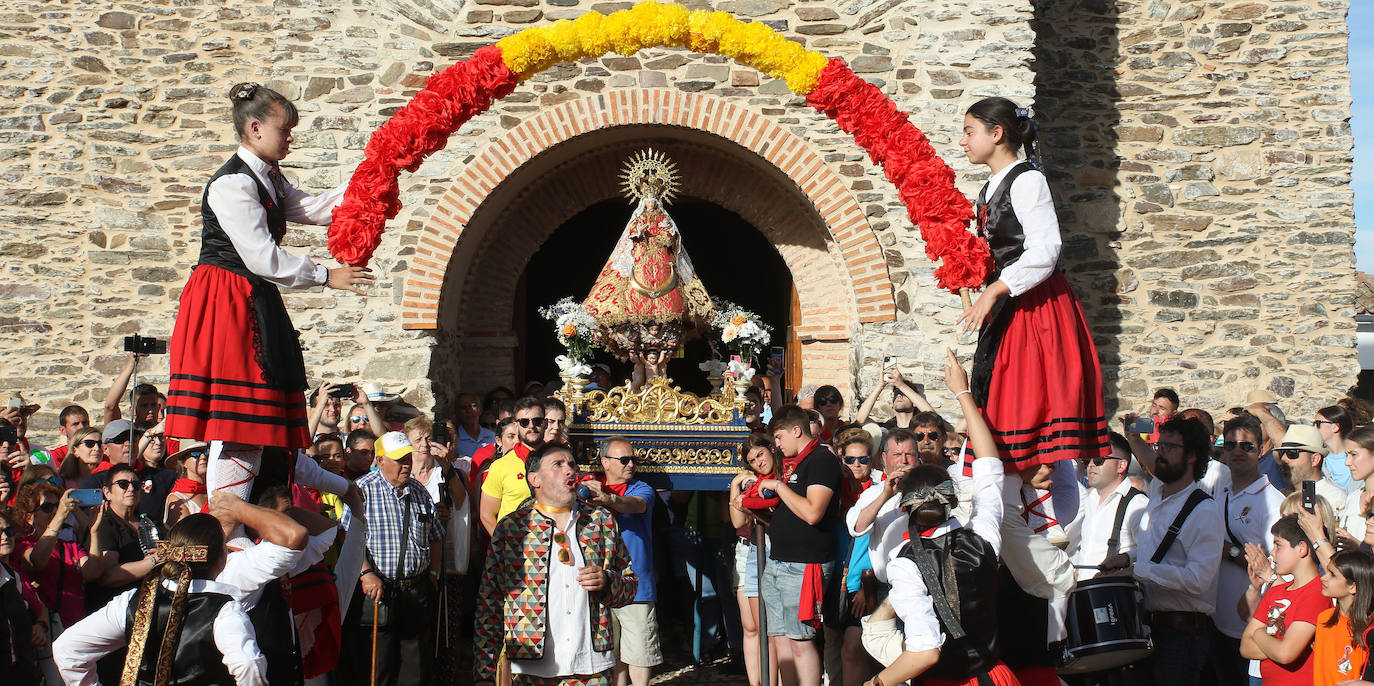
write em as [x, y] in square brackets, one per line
[1300, 457]
[555, 571]
[115, 442]
[398, 572]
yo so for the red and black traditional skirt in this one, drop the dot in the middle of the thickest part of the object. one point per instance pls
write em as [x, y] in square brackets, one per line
[235, 363]
[1037, 377]
[999, 675]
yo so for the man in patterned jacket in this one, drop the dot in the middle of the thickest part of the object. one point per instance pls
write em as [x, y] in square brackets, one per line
[555, 569]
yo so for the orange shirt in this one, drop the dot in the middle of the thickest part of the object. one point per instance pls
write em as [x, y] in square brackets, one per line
[1335, 656]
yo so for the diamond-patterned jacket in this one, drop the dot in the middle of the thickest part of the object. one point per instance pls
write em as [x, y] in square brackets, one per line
[512, 602]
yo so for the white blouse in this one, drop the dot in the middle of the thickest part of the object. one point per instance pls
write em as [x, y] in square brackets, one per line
[1034, 207]
[102, 632]
[234, 200]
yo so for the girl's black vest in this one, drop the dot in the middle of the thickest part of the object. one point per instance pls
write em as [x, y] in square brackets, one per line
[973, 564]
[997, 223]
[276, 344]
[197, 661]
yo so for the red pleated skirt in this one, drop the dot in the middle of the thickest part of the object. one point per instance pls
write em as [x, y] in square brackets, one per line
[217, 390]
[1045, 400]
[999, 675]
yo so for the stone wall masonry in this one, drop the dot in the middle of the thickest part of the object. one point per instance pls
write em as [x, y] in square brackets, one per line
[1201, 154]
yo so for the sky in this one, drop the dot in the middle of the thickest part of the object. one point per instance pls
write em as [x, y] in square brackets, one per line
[1361, 20]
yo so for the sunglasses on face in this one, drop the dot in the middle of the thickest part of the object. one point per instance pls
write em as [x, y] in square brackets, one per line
[828, 401]
[537, 422]
[950, 452]
[861, 459]
[926, 435]
[196, 454]
[626, 460]
[1245, 446]
[1289, 454]
[564, 552]
[48, 507]
[1099, 461]
[358, 420]
[122, 439]
[128, 483]
[1167, 445]
[90, 443]
[7, 531]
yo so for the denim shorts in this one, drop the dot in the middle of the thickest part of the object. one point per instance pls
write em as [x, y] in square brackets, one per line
[747, 568]
[782, 586]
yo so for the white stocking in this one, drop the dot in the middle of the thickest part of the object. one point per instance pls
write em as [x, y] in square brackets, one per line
[233, 467]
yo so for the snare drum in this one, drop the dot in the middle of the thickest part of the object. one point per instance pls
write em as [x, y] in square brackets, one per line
[1105, 626]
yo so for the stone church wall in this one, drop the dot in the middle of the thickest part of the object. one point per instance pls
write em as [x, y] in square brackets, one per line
[1200, 152]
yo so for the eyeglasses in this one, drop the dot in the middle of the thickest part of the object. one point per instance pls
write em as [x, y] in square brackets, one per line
[196, 454]
[861, 459]
[926, 435]
[538, 422]
[358, 420]
[8, 531]
[127, 483]
[829, 401]
[628, 459]
[1099, 461]
[121, 439]
[48, 507]
[950, 452]
[1166, 444]
[564, 552]
[1289, 454]
[90, 443]
[1245, 446]
[1319, 422]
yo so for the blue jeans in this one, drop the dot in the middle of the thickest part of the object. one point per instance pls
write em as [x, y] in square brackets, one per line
[781, 593]
[1179, 656]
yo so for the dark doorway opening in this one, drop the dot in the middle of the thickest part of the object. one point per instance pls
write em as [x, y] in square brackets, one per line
[732, 257]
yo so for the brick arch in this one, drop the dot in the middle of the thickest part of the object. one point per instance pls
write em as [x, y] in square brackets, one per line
[856, 246]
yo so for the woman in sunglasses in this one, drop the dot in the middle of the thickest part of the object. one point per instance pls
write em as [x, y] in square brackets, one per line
[189, 493]
[829, 403]
[759, 462]
[83, 455]
[51, 556]
[18, 664]
[126, 560]
[855, 448]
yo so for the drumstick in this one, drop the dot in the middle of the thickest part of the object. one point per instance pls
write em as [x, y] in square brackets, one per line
[1098, 567]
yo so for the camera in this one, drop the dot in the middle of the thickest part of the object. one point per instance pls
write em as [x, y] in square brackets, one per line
[145, 345]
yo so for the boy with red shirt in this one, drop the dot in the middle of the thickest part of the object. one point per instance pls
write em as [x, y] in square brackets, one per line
[1285, 622]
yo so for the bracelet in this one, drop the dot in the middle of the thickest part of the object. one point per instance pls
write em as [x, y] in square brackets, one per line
[956, 395]
[1318, 544]
[368, 571]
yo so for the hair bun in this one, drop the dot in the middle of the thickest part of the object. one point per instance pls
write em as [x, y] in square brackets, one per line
[243, 91]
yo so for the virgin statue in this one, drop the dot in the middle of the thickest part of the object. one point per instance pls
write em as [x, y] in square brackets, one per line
[648, 298]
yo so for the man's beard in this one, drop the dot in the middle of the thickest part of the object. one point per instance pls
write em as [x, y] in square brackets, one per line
[1168, 472]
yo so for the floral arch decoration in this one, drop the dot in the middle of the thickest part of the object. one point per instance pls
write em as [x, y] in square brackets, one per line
[450, 97]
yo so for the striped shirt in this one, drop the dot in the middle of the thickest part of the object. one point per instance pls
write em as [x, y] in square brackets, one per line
[385, 507]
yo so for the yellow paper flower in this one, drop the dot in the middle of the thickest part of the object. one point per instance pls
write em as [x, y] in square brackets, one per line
[655, 24]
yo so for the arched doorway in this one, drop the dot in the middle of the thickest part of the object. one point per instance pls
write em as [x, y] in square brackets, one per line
[569, 261]
[463, 280]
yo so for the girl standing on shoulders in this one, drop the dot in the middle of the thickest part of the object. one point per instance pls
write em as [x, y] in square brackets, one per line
[238, 376]
[1035, 372]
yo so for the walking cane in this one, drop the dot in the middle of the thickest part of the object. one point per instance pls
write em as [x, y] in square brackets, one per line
[376, 609]
[764, 670]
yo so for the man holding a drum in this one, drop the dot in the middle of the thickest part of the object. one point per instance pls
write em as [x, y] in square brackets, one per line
[1178, 553]
[1110, 513]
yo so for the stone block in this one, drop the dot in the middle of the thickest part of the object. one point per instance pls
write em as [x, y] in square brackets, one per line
[816, 14]
[397, 365]
[821, 29]
[870, 64]
[754, 8]
[117, 20]
[1216, 136]
[522, 16]
[743, 78]
[621, 63]
[653, 79]
[715, 72]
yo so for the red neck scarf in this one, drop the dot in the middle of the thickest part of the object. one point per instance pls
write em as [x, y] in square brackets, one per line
[189, 486]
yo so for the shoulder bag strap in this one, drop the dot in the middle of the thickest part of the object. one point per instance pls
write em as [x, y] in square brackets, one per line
[1226, 521]
[1194, 499]
[1114, 542]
